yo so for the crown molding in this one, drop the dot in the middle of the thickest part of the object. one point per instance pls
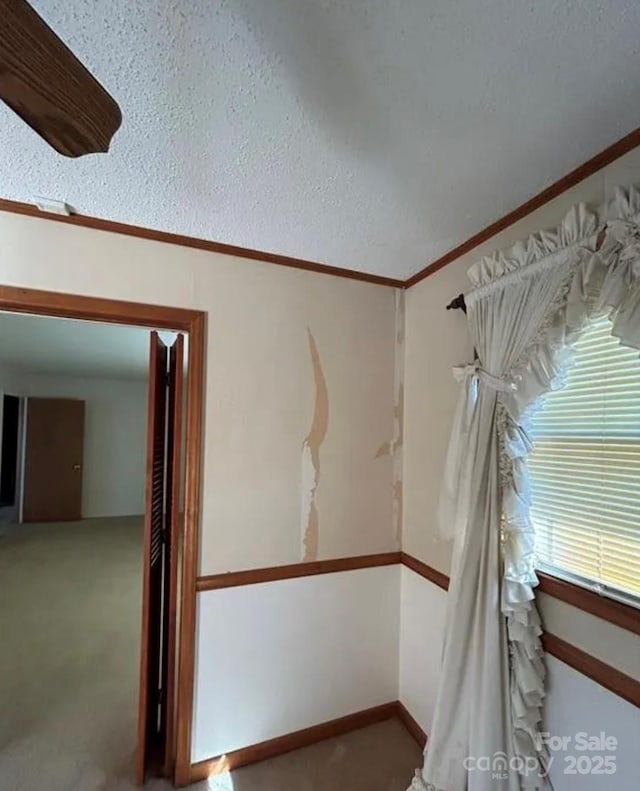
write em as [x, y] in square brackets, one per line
[588, 168]
[262, 256]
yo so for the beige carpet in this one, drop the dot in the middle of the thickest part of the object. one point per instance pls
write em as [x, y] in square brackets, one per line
[69, 645]
[70, 625]
[382, 757]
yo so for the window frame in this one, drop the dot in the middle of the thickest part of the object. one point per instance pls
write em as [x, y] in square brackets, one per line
[598, 603]
[626, 616]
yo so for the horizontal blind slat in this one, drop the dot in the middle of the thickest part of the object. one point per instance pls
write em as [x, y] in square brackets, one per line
[585, 466]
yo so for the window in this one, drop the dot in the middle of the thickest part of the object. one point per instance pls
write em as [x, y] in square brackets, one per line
[585, 470]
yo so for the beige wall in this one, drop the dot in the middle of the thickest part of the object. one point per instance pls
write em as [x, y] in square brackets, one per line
[261, 390]
[435, 341]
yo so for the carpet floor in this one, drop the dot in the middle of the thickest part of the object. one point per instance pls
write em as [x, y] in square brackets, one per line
[70, 624]
[70, 597]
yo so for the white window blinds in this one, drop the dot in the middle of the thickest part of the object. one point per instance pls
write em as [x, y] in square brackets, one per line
[585, 469]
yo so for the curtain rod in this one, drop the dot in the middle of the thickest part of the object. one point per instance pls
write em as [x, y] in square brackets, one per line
[458, 303]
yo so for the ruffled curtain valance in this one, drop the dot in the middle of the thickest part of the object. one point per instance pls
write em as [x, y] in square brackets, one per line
[529, 304]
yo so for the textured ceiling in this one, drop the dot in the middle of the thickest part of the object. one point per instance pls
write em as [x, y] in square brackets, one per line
[368, 134]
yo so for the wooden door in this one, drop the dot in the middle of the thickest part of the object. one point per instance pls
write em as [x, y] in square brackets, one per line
[53, 460]
[157, 657]
[174, 451]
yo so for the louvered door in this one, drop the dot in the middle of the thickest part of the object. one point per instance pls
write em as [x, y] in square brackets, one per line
[155, 714]
[174, 449]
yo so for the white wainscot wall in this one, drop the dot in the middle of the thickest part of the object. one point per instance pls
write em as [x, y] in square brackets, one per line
[422, 619]
[277, 657]
[575, 704]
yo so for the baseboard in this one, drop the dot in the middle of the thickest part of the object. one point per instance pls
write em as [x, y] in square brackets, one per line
[292, 741]
[411, 724]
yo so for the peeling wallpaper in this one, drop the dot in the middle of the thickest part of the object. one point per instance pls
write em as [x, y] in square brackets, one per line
[398, 417]
[311, 456]
[265, 412]
[393, 447]
[296, 362]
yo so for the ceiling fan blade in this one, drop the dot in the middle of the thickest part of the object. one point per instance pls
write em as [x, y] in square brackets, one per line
[47, 86]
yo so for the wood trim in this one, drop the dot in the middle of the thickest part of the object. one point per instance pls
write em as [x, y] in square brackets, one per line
[620, 614]
[193, 500]
[148, 679]
[291, 741]
[411, 724]
[175, 405]
[588, 168]
[72, 306]
[428, 572]
[615, 612]
[97, 224]
[608, 677]
[309, 569]
[605, 675]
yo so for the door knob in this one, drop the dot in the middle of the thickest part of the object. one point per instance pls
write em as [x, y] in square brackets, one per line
[76, 466]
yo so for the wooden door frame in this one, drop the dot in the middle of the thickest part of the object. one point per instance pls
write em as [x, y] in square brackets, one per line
[193, 322]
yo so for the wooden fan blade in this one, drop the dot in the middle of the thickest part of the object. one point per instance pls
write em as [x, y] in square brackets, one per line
[47, 86]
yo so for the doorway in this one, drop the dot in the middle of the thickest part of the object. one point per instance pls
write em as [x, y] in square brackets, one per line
[10, 431]
[164, 707]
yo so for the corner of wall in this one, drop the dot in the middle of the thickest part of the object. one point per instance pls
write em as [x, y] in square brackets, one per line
[398, 414]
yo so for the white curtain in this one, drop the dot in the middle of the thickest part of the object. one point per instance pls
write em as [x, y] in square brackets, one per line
[527, 307]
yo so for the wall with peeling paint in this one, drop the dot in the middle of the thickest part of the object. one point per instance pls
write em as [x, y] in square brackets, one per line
[300, 383]
[300, 398]
[298, 364]
[309, 519]
[328, 410]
